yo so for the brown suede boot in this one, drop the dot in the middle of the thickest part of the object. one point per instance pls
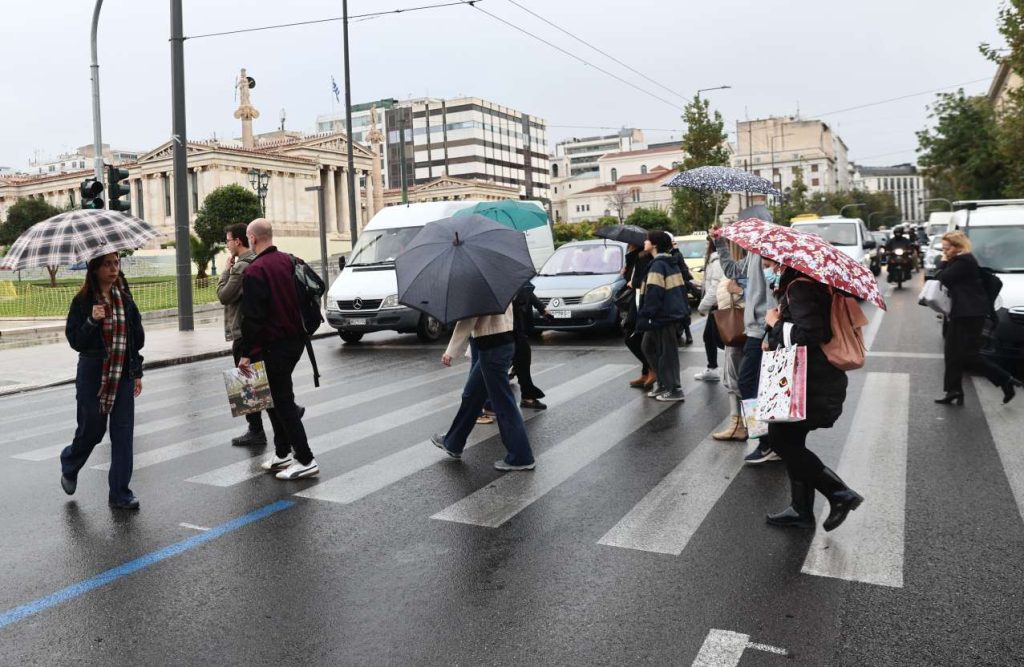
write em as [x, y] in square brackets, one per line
[735, 430]
[639, 382]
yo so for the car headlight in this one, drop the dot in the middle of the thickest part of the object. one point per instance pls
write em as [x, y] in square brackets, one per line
[598, 294]
[390, 302]
[332, 305]
[898, 251]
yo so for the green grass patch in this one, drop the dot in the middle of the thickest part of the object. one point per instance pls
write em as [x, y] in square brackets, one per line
[38, 299]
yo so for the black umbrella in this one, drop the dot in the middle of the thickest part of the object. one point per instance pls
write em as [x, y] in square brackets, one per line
[630, 234]
[463, 267]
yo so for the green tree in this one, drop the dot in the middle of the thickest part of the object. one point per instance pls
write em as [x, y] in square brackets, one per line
[1010, 115]
[564, 232]
[650, 219]
[704, 144]
[202, 254]
[877, 208]
[795, 202]
[227, 205]
[23, 214]
[961, 154]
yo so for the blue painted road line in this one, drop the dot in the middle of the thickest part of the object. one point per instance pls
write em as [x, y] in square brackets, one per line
[104, 578]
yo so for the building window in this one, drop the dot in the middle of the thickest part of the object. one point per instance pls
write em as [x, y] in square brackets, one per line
[556, 189]
[166, 180]
[814, 168]
[643, 169]
[554, 170]
[757, 172]
[814, 182]
[636, 195]
[615, 174]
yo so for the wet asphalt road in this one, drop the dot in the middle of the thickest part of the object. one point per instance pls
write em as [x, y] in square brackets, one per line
[411, 559]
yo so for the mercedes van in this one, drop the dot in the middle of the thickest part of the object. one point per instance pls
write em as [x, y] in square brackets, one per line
[364, 296]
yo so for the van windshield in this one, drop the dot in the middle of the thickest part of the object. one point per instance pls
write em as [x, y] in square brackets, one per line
[693, 249]
[583, 260]
[999, 248]
[381, 246]
[838, 233]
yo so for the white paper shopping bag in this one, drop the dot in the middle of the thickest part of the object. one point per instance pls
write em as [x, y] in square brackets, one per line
[782, 391]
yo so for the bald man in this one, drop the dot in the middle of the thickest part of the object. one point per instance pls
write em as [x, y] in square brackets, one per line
[272, 333]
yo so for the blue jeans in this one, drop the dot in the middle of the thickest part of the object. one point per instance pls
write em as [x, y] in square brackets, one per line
[92, 426]
[488, 377]
[750, 368]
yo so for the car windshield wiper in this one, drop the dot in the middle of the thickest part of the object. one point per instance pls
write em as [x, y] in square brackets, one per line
[380, 263]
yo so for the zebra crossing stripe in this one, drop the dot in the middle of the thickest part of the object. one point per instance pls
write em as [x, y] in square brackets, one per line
[1006, 423]
[372, 477]
[501, 500]
[240, 471]
[667, 517]
[869, 546]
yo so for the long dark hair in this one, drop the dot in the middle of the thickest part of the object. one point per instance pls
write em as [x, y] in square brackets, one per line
[91, 284]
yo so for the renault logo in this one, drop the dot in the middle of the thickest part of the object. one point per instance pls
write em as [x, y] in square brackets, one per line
[358, 303]
[555, 303]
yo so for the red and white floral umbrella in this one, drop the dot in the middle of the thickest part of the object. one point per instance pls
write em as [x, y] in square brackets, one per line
[807, 253]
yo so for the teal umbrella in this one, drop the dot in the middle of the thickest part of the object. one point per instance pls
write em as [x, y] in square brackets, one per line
[519, 215]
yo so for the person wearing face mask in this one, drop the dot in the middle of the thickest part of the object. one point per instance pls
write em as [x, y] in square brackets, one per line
[758, 299]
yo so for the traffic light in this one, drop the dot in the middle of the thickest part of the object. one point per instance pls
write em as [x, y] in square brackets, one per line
[92, 193]
[117, 192]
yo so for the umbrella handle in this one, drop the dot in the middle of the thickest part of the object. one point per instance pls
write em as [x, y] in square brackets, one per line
[457, 241]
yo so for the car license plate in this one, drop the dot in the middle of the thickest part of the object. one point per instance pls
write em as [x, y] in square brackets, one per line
[357, 322]
[560, 314]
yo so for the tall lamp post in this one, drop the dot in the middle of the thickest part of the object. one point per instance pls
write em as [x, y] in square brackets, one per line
[925, 201]
[704, 90]
[260, 182]
[853, 206]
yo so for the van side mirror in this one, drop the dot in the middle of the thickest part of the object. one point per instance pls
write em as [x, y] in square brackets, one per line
[341, 263]
[870, 244]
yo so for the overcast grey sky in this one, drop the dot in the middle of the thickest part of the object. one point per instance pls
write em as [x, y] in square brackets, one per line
[816, 55]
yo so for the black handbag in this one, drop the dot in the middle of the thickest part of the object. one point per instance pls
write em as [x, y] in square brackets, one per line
[625, 298]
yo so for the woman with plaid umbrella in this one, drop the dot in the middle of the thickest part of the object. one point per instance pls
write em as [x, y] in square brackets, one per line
[105, 328]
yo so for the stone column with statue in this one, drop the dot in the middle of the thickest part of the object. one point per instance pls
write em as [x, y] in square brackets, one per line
[246, 112]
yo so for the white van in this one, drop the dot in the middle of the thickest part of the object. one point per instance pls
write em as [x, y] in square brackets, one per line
[996, 230]
[364, 297]
[850, 235]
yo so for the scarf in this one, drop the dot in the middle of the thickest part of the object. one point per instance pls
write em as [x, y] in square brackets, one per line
[115, 335]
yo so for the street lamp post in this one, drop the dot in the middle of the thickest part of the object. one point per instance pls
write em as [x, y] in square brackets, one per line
[853, 206]
[873, 214]
[925, 201]
[704, 90]
[260, 182]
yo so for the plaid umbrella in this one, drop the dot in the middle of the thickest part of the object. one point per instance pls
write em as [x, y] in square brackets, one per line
[807, 253]
[722, 179]
[77, 236]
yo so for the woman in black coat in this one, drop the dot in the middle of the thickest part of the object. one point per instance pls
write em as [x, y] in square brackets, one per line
[635, 273]
[961, 276]
[804, 318]
[104, 326]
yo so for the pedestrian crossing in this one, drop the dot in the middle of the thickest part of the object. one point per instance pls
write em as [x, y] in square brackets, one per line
[873, 458]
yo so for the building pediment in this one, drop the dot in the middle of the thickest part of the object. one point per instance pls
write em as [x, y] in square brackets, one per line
[446, 182]
[165, 152]
[335, 142]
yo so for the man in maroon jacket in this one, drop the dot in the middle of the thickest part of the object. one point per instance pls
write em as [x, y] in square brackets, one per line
[272, 333]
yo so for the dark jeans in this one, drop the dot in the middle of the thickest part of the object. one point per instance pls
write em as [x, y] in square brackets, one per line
[963, 341]
[750, 368]
[521, 360]
[635, 344]
[711, 341]
[662, 351]
[488, 377]
[789, 441]
[280, 359]
[253, 418]
[92, 426]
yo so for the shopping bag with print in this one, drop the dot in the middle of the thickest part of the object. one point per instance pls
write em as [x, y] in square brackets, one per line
[248, 393]
[782, 392]
[755, 427]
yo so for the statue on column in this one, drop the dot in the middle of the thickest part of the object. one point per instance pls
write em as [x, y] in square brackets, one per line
[246, 112]
[375, 138]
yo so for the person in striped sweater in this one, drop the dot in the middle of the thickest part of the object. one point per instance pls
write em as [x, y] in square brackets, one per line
[663, 307]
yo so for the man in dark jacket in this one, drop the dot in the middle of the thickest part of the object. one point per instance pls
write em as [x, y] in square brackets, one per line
[523, 305]
[272, 332]
[663, 307]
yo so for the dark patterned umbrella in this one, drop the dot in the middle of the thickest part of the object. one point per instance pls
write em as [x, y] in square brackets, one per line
[722, 179]
[631, 234]
[77, 236]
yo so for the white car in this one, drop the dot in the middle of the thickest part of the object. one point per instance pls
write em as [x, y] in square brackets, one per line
[850, 235]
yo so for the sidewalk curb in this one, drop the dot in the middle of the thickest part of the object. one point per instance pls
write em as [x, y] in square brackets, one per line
[152, 365]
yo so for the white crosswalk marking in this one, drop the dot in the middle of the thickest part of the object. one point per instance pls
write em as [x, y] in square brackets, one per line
[1006, 422]
[667, 517]
[367, 479]
[241, 471]
[869, 545]
[503, 499]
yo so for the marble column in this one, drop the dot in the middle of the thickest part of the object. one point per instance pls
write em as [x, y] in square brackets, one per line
[369, 199]
[358, 197]
[330, 198]
[342, 204]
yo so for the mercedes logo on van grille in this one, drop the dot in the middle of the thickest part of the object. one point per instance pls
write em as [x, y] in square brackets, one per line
[358, 303]
[556, 302]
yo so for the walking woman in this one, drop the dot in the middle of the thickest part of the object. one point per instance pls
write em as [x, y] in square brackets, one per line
[635, 273]
[803, 317]
[961, 276]
[708, 304]
[105, 328]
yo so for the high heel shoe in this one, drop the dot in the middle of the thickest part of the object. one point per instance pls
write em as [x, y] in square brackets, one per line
[957, 398]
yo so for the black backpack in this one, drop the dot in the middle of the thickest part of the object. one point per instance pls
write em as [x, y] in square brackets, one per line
[992, 285]
[310, 289]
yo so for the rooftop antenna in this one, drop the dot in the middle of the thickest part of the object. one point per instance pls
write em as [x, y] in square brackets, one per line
[282, 119]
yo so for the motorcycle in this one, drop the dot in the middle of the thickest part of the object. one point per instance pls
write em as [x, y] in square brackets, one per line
[899, 267]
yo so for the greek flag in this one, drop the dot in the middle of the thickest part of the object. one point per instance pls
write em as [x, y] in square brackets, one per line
[334, 88]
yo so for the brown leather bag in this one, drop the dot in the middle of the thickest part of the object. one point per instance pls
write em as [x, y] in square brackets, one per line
[729, 322]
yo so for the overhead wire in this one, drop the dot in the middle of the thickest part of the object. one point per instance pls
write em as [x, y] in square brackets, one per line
[897, 99]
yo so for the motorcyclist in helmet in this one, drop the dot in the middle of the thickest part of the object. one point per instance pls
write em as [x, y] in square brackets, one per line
[899, 241]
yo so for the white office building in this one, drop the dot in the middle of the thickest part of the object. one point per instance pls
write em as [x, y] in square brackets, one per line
[902, 181]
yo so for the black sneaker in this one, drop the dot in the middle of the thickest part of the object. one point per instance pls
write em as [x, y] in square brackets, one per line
[438, 440]
[761, 455]
[674, 395]
[130, 504]
[250, 439]
[69, 485]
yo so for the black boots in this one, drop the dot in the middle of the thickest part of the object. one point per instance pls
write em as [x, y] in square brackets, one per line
[956, 397]
[800, 514]
[1008, 389]
[841, 499]
[250, 439]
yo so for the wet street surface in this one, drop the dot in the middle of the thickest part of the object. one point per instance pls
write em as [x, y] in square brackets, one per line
[637, 540]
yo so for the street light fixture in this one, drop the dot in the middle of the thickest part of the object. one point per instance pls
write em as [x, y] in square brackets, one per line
[260, 182]
[704, 90]
[854, 206]
[925, 201]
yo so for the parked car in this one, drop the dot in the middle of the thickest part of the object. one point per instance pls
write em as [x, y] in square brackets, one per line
[881, 238]
[932, 254]
[693, 248]
[850, 235]
[364, 297]
[996, 230]
[577, 284]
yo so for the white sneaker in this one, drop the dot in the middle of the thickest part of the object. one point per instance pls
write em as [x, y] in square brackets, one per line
[656, 392]
[275, 463]
[299, 471]
[707, 375]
